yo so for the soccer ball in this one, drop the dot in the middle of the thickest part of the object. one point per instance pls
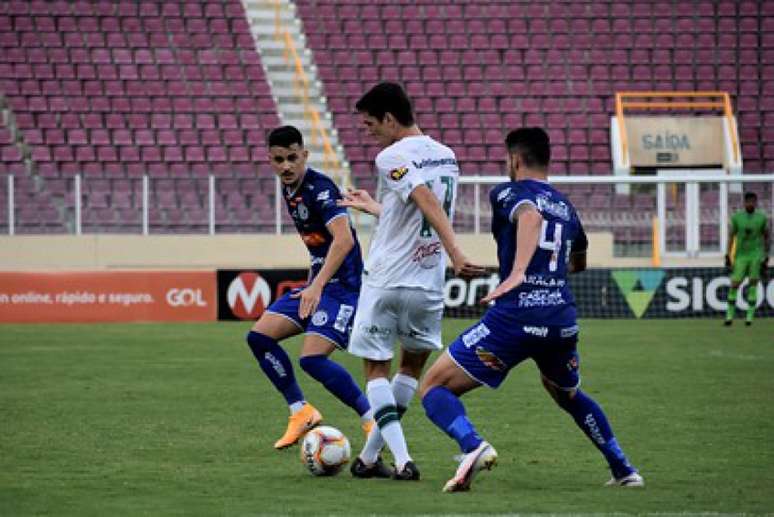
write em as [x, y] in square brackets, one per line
[324, 451]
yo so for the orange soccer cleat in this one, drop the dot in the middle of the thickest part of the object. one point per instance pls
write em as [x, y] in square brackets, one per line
[298, 425]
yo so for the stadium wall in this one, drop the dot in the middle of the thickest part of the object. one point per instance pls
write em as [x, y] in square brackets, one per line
[169, 252]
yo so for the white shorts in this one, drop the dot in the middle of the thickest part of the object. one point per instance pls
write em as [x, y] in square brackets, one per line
[410, 315]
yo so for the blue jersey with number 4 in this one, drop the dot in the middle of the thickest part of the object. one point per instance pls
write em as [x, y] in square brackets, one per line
[544, 298]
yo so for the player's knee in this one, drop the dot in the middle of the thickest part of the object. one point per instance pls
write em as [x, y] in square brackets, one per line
[259, 343]
[561, 396]
[312, 364]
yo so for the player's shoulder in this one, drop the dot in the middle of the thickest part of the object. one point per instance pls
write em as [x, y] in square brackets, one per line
[321, 187]
[319, 180]
[392, 153]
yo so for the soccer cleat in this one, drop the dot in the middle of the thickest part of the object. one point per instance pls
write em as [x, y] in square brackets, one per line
[359, 469]
[631, 480]
[410, 472]
[728, 323]
[367, 426]
[298, 425]
[482, 457]
[748, 323]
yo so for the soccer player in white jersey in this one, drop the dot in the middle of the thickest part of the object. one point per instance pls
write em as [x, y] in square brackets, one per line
[402, 293]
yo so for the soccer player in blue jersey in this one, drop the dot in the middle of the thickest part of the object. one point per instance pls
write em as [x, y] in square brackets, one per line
[540, 240]
[325, 308]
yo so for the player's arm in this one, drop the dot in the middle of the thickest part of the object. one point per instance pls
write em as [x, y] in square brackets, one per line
[766, 248]
[528, 223]
[340, 246]
[427, 203]
[730, 244]
[360, 200]
[578, 253]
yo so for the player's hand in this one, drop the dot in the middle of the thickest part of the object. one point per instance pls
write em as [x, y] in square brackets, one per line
[728, 262]
[361, 200]
[513, 281]
[310, 299]
[463, 267]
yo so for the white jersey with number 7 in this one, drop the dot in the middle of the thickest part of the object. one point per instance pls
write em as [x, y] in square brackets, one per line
[405, 250]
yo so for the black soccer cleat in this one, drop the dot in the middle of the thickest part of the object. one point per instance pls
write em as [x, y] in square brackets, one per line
[748, 323]
[410, 472]
[378, 470]
[728, 323]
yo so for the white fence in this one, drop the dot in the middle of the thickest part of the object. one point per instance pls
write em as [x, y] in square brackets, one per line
[685, 208]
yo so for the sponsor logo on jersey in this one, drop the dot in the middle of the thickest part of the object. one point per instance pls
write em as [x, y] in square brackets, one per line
[504, 194]
[319, 318]
[427, 255]
[489, 359]
[324, 195]
[556, 208]
[397, 174]
[313, 239]
[536, 331]
[541, 298]
[248, 295]
[543, 281]
[433, 162]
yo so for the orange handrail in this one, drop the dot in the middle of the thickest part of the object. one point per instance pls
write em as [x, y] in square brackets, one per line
[301, 88]
[724, 103]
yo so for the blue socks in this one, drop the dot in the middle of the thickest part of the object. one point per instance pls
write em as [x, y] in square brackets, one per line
[446, 411]
[276, 364]
[337, 380]
[592, 421]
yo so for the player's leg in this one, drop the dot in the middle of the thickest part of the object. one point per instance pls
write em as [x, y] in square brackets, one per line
[382, 400]
[279, 322]
[316, 362]
[558, 364]
[263, 340]
[753, 276]
[479, 356]
[404, 385]
[737, 275]
[373, 337]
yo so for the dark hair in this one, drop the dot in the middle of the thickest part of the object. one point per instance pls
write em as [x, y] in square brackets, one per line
[285, 136]
[751, 196]
[531, 144]
[387, 98]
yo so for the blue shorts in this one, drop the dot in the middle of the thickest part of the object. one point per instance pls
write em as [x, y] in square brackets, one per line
[489, 349]
[333, 318]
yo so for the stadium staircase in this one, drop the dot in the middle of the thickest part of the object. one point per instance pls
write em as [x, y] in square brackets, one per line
[289, 67]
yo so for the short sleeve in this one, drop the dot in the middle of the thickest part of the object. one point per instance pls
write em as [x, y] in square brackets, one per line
[398, 174]
[581, 243]
[508, 200]
[325, 197]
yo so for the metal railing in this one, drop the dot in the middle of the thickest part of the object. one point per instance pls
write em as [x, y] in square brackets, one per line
[280, 219]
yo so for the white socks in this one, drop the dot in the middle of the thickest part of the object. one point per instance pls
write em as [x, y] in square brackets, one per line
[402, 388]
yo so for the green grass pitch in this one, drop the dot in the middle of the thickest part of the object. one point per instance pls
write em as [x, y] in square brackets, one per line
[177, 419]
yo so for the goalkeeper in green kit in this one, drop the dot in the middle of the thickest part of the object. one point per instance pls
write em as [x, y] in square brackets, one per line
[751, 231]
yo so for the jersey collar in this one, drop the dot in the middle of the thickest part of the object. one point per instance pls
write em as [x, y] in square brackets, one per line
[288, 193]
